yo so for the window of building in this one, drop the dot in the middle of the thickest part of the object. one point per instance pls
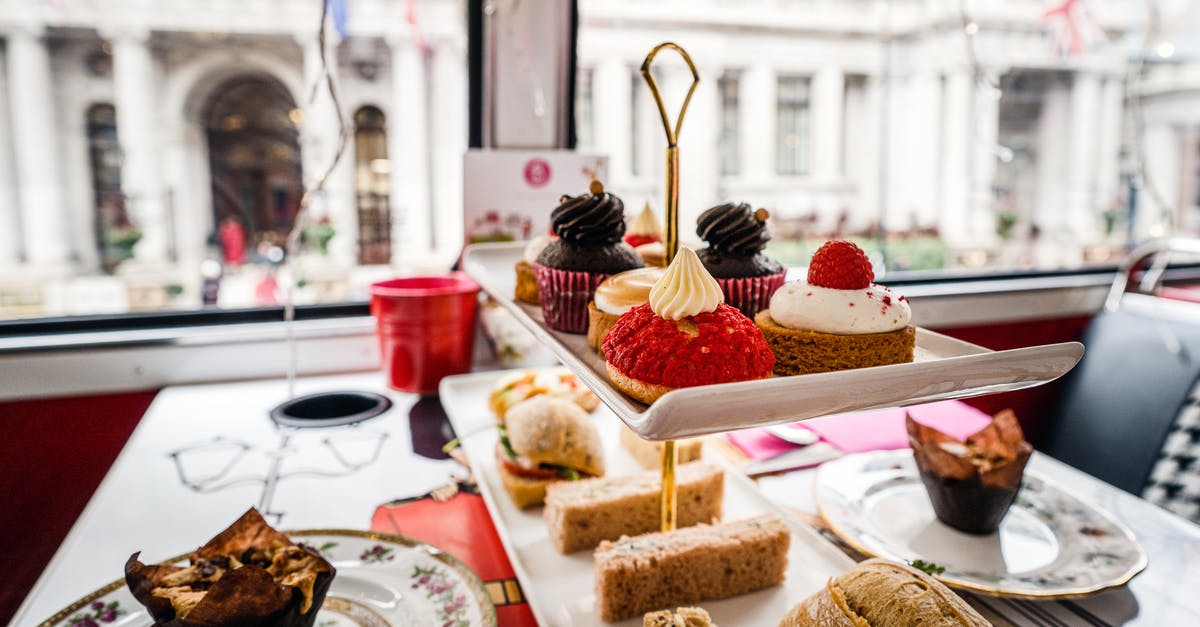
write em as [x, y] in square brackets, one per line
[792, 132]
[115, 233]
[373, 184]
[730, 140]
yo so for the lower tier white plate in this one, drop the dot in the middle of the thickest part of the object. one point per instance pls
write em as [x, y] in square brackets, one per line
[1050, 545]
[560, 587]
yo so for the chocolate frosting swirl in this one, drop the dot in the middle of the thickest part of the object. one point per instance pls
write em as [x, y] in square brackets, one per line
[733, 229]
[589, 219]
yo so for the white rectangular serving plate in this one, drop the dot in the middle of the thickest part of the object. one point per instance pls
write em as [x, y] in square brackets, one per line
[559, 587]
[943, 368]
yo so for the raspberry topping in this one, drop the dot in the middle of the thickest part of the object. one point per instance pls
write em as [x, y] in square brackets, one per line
[840, 265]
[715, 347]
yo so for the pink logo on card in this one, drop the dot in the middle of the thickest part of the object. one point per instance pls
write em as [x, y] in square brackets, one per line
[537, 172]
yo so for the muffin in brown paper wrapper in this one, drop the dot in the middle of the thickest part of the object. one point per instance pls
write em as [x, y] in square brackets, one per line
[250, 574]
[971, 484]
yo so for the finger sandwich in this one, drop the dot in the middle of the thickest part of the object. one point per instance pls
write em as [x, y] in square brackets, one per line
[581, 514]
[638, 574]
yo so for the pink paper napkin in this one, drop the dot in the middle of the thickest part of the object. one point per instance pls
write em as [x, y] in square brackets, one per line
[877, 430]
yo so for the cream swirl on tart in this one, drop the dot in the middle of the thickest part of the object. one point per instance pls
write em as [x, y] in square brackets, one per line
[624, 291]
[873, 309]
[685, 289]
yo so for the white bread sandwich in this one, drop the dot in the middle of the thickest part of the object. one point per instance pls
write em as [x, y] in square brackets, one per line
[521, 386]
[639, 574]
[581, 514]
[879, 593]
[545, 440]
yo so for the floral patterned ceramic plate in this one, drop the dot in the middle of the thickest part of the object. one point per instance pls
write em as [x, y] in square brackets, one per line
[382, 580]
[1050, 545]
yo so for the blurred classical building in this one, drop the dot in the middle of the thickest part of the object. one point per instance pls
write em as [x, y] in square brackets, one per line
[139, 129]
[148, 137]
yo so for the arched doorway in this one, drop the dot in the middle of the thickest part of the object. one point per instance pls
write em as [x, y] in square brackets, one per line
[254, 162]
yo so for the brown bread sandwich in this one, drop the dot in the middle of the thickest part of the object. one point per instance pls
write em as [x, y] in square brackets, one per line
[545, 440]
[581, 514]
[639, 574]
[248, 575]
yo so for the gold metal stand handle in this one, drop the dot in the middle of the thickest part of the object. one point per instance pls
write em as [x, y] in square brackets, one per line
[669, 507]
[672, 132]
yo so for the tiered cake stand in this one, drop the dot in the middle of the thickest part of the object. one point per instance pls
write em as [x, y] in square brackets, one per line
[943, 367]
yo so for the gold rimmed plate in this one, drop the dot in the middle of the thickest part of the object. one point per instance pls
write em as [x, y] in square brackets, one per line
[1051, 545]
[383, 580]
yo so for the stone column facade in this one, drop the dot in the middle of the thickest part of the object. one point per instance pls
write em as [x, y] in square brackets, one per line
[921, 147]
[408, 145]
[1108, 170]
[612, 120]
[449, 141]
[828, 92]
[1082, 156]
[757, 106]
[982, 146]
[135, 87]
[953, 216]
[699, 162]
[34, 137]
[319, 141]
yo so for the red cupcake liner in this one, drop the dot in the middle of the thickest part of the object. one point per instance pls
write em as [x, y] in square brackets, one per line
[565, 297]
[751, 295]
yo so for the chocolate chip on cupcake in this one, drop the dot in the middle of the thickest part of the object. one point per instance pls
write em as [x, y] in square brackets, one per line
[736, 236]
[589, 248]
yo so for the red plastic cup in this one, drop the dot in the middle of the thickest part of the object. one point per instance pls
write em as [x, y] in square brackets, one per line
[426, 328]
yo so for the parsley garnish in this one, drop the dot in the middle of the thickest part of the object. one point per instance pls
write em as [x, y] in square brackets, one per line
[928, 567]
[508, 448]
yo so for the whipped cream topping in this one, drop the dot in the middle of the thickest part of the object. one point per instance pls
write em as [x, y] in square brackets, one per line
[645, 223]
[685, 289]
[625, 290]
[535, 247]
[873, 309]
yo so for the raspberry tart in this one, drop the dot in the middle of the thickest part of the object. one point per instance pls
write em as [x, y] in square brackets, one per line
[684, 336]
[837, 319]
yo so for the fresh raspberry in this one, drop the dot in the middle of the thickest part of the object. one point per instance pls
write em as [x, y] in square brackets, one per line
[840, 265]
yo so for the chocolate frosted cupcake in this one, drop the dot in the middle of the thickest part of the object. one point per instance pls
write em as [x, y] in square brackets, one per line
[736, 236]
[587, 251]
[971, 484]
